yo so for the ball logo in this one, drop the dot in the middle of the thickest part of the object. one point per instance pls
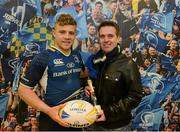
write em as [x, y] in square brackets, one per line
[78, 107]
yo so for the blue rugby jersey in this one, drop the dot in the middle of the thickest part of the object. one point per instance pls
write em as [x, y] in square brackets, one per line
[59, 75]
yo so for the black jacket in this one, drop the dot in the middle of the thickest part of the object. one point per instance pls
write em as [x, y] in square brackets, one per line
[117, 87]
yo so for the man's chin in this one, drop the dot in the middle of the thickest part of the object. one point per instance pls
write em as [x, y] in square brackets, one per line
[107, 50]
[67, 47]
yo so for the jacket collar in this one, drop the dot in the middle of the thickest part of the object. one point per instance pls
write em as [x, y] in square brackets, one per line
[101, 56]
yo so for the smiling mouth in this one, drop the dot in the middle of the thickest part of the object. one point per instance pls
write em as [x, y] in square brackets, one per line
[106, 45]
[66, 42]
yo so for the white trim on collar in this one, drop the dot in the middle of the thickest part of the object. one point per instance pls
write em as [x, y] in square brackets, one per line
[60, 50]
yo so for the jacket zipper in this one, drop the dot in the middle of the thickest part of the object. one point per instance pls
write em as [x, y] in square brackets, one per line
[100, 78]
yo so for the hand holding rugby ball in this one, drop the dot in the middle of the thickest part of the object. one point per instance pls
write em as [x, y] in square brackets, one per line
[78, 113]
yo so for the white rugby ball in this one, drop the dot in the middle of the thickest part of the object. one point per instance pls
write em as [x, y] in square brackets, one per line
[78, 113]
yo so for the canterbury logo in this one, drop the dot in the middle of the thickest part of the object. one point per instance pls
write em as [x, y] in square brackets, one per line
[58, 61]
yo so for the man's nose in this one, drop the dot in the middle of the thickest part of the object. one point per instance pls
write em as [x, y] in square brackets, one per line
[106, 39]
[67, 35]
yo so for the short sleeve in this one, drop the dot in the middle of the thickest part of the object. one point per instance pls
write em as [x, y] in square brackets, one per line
[36, 70]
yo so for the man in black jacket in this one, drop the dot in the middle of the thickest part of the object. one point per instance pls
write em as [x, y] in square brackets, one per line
[117, 82]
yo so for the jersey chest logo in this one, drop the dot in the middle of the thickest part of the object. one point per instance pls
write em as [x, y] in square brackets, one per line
[58, 62]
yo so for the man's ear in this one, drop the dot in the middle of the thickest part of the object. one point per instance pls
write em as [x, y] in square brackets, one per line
[53, 33]
[119, 38]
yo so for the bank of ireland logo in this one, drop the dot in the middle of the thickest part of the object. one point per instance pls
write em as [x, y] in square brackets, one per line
[151, 38]
[147, 119]
[58, 62]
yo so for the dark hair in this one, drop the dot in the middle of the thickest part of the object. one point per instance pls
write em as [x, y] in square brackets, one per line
[99, 2]
[66, 19]
[111, 24]
[113, 1]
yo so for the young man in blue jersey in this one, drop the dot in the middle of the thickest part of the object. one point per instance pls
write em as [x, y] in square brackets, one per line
[57, 70]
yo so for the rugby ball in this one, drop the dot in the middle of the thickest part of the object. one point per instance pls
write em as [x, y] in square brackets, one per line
[78, 113]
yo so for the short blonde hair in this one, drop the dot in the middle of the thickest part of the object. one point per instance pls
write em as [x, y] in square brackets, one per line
[65, 19]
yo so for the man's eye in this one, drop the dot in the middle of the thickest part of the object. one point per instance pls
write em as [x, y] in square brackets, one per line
[62, 32]
[101, 36]
[71, 33]
[110, 36]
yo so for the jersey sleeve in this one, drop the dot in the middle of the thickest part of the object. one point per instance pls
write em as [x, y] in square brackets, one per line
[36, 70]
